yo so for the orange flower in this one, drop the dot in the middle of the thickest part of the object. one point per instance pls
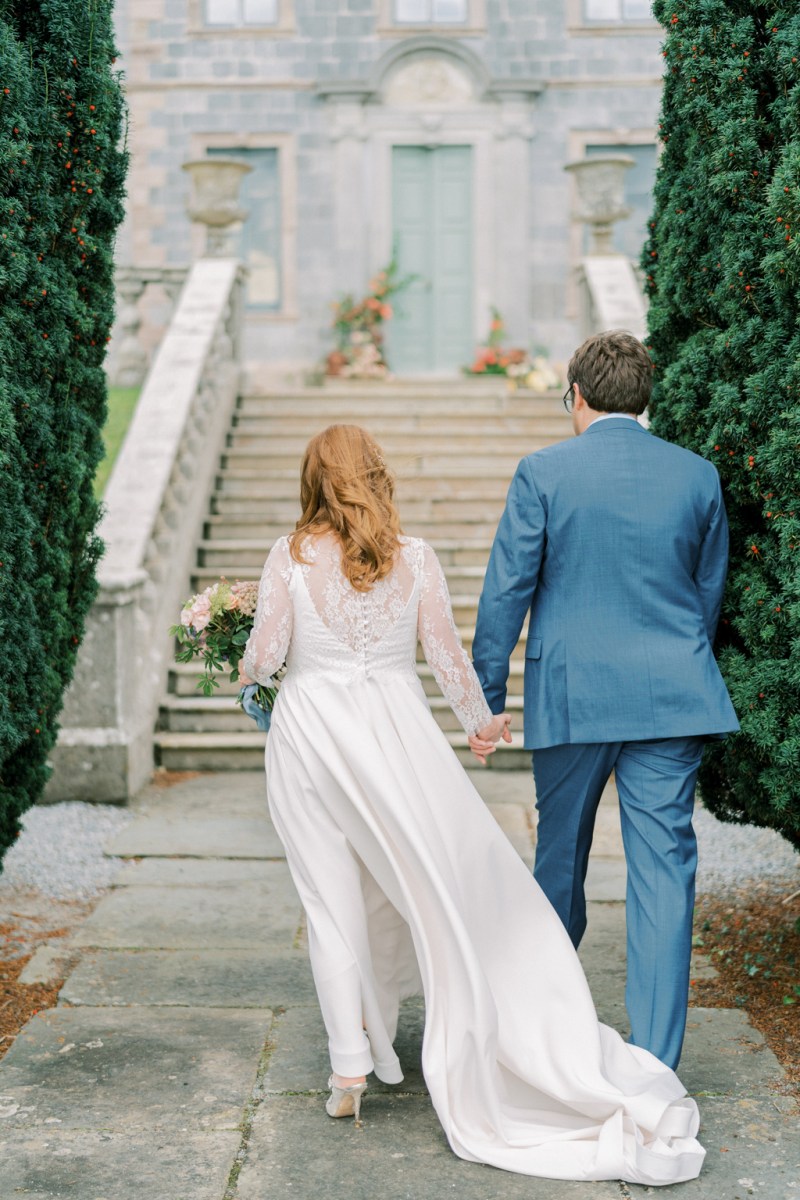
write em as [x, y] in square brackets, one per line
[386, 311]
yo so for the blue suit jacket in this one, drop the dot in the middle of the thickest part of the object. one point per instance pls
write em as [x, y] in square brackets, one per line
[617, 543]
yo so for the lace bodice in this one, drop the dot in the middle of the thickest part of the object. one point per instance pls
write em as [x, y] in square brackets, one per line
[310, 617]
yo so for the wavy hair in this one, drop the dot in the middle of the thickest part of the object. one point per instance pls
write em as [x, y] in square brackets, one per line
[347, 489]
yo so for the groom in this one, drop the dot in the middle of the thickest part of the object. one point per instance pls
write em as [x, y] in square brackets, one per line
[616, 543]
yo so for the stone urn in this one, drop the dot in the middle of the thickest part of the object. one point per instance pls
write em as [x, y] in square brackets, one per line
[215, 203]
[600, 185]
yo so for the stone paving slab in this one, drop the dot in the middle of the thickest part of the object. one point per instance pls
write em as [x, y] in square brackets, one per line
[724, 1055]
[211, 815]
[51, 1163]
[193, 978]
[505, 787]
[602, 950]
[214, 792]
[202, 872]
[752, 1150]
[133, 1069]
[300, 1061]
[257, 914]
[401, 1153]
[606, 880]
[513, 821]
[210, 837]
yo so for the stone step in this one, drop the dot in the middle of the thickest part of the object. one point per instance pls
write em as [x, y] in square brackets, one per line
[442, 464]
[266, 530]
[183, 676]
[465, 509]
[451, 552]
[453, 445]
[247, 558]
[219, 714]
[284, 488]
[351, 398]
[387, 427]
[464, 590]
[245, 751]
[516, 674]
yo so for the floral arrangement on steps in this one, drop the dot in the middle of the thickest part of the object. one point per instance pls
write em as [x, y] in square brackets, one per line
[358, 325]
[518, 366]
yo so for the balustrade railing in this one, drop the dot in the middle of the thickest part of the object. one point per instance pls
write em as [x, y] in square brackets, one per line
[155, 504]
[138, 334]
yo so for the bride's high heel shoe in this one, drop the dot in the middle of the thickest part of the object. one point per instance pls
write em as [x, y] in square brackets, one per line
[345, 1102]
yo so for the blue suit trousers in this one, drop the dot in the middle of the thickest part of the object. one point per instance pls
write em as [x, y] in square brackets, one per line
[656, 782]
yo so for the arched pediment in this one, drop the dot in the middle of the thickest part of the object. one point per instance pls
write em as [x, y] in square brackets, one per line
[429, 70]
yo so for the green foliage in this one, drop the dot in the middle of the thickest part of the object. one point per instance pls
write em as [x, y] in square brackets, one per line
[61, 188]
[723, 271]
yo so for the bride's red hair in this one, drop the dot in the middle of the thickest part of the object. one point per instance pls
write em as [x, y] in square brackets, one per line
[347, 489]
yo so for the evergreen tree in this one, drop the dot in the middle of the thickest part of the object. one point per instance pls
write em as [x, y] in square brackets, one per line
[723, 272]
[62, 173]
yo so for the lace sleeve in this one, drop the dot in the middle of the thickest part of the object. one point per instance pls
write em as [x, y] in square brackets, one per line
[266, 647]
[444, 652]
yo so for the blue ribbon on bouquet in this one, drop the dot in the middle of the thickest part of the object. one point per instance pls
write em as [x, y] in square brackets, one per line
[261, 716]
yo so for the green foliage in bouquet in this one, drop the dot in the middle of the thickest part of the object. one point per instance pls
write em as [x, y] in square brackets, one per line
[723, 274]
[62, 177]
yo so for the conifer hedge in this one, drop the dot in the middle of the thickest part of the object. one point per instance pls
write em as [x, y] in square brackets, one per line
[723, 272]
[62, 171]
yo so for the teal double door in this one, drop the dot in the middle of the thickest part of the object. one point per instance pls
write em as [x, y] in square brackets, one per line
[432, 329]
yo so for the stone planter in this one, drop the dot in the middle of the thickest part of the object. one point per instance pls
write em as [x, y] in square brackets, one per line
[214, 201]
[600, 184]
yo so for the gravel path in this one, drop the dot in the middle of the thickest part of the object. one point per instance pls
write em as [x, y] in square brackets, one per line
[731, 855]
[60, 851]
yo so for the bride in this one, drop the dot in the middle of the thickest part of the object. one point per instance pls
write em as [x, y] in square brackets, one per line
[408, 883]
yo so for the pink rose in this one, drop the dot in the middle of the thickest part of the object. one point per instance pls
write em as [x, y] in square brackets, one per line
[201, 612]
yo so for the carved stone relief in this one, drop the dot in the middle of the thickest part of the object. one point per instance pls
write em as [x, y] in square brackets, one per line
[429, 80]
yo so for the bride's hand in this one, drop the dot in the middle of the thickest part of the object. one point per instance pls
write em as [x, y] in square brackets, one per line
[483, 743]
[244, 679]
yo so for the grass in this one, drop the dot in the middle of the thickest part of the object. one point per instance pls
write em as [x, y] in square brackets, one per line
[121, 404]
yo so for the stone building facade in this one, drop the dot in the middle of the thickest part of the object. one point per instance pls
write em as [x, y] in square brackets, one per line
[439, 128]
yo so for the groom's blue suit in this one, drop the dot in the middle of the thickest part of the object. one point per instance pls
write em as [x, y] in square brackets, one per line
[617, 544]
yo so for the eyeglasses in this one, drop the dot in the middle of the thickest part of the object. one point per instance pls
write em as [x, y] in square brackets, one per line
[569, 398]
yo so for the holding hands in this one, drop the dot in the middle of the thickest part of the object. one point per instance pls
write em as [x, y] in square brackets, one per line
[484, 742]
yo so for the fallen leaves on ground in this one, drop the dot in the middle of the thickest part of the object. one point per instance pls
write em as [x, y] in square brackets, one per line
[752, 939]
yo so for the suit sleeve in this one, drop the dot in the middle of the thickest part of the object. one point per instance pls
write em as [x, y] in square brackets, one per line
[712, 563]
[510, 584]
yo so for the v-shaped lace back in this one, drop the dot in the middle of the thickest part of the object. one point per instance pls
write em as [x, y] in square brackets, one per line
[311, 617]
[359, 619]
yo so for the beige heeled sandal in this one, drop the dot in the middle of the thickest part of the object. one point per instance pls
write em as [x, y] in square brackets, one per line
[345, 1102]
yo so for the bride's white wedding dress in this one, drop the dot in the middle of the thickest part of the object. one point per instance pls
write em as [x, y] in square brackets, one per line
[410, 885]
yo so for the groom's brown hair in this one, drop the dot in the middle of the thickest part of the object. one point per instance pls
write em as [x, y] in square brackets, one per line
[613, 371]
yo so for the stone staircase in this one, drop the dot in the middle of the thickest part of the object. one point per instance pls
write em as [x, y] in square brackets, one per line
[454, 448]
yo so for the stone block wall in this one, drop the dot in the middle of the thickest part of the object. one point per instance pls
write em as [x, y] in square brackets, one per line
[189, 87]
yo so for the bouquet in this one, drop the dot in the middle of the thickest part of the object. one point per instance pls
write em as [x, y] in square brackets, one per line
[214, 626]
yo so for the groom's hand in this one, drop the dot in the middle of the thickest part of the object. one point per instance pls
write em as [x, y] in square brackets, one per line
[484, 742]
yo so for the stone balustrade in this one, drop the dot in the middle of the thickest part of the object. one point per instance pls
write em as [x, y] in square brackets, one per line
[135, 339]
[155, 501]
